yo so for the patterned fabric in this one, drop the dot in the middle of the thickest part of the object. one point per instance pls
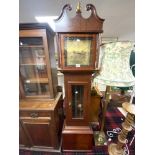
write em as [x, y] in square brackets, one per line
[114, 119]
[114, 65]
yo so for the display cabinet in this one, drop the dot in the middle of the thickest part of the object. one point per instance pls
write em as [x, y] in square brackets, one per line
[37, 73]
[77, 40]
[40, 104]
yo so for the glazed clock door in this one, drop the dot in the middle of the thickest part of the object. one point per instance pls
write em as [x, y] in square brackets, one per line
[77, 100]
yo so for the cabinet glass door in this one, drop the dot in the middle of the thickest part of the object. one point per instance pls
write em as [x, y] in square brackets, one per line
[33, 67]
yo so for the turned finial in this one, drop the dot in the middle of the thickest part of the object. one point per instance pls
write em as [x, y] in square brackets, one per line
[78, 8]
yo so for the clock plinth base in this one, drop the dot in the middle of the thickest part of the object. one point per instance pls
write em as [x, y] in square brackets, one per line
[75, 138]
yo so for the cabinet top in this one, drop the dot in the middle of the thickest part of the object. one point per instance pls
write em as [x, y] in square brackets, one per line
[40, 104]
[31, 26]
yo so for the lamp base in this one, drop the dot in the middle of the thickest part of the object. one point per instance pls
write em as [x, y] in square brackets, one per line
[112, 149]
[100, 138]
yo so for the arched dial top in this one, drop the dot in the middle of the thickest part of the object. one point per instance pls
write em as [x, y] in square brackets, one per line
[79, 24]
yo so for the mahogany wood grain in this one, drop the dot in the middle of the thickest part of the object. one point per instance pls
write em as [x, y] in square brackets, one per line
[41, 122]
[94, 109]
[77, 138]
[79, 24]
[23, 140]
[38, 130]
[39, 104]
[35, 113]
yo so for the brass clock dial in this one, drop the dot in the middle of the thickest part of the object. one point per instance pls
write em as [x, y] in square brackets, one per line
[77, 51]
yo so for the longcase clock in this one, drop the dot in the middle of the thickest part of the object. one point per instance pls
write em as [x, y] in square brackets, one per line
[77, 46]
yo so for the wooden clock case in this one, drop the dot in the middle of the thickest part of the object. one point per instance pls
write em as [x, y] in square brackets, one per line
[77, 133]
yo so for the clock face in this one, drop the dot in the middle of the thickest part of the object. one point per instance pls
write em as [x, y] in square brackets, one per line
[77, 51]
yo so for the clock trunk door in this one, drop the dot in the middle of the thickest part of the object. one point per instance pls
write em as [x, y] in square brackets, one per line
[77, 103]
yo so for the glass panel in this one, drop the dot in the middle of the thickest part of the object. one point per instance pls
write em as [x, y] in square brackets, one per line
[34, 89]
[31, 55]
[77, 101]
[30, 41]
[33, 69]
[78, 51]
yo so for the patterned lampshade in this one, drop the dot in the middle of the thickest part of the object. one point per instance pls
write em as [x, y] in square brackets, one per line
[115, 65]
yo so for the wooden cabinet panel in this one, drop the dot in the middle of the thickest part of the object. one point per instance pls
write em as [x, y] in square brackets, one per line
[83, 141]
[23, 139]
[94, 109]
[39, 131]
[35, 113]
[43, 127]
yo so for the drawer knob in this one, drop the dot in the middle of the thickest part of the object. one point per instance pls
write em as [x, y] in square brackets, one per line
[34, 115]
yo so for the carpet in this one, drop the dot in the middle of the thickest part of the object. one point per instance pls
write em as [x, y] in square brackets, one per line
[114, 119]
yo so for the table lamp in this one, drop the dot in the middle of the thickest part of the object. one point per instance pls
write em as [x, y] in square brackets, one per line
[114, 71]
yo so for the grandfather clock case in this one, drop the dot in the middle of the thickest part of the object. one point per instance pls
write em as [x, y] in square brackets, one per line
[77, 46]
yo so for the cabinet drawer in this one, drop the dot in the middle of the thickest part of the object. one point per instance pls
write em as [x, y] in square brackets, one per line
[35, 114]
